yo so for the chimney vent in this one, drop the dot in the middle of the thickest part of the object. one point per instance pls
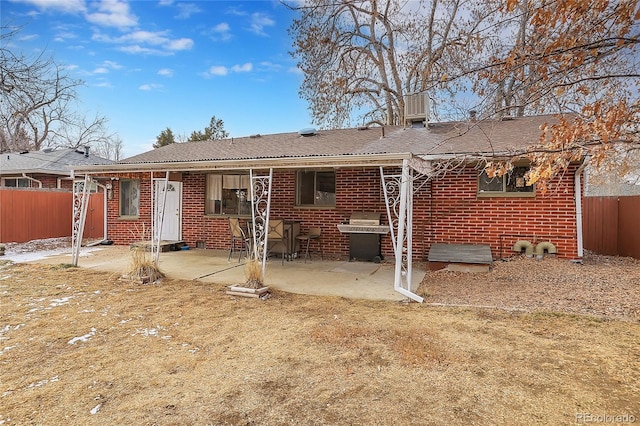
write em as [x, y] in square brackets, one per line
[86, 151]
[473, 115]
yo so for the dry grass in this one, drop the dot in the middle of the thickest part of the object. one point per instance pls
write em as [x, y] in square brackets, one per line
[184, 352]
[253, 271]
[141, 267]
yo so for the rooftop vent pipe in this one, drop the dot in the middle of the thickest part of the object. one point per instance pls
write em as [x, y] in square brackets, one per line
[86, 151]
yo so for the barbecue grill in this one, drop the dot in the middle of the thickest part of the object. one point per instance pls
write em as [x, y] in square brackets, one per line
[364, 231]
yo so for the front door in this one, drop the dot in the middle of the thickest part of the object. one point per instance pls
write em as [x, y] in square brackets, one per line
[172, 210]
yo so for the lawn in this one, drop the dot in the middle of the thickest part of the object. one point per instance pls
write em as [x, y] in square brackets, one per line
[82, 347]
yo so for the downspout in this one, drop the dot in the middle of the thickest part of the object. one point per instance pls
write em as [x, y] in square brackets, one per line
[578, 194]
[24, 175]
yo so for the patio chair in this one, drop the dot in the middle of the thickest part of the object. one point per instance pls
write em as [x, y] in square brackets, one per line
[278, 237]
[313, 234]
[238, 236]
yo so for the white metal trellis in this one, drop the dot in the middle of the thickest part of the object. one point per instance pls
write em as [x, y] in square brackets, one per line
[81, 195]
[260, 208]
[398, 194]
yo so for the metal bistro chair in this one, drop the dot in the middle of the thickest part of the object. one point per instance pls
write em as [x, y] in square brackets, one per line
[313, 234]
[277, 234]
[238, 236]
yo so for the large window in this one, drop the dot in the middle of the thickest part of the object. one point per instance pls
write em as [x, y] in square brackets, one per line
[228, 194]
[16, 182]
[316, 188]
[513, 183]
[129, 197]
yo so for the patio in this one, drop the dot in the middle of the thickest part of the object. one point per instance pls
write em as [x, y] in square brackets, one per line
[357, 280]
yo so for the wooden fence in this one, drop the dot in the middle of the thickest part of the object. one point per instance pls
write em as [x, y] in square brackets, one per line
[611, 225]
[30, 214]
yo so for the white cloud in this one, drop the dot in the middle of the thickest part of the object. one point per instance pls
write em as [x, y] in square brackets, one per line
[218, 70]
[165, 72]
[242, 68]
[165, 2]
[150, 86]
[111, 64]
[269, 66]
[104, 84]
[100, 70]
[222, 31]
[185, 10]
[137, 39]
[258, 23]
[180, 44]
[66, 6]
[113, 13]
[29, 37]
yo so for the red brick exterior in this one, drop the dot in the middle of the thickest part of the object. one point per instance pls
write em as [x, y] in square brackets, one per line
[447, 210]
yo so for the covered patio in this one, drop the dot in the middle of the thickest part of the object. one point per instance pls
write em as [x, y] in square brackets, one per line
[357, 280]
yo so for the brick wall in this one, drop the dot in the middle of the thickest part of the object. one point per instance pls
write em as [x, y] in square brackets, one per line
[445, 211]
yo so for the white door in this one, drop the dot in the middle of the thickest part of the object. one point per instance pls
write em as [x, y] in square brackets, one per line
[172, 210]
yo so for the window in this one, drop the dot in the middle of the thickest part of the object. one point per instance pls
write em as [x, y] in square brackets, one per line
[129, 197]
[316, 188]
[16, 182]
[228, 194]
[512, 183]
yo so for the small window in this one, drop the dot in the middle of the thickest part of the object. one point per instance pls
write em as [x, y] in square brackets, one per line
[513, 182]
[228, 194]
[129, 197]
[316, 188]
[16, 182]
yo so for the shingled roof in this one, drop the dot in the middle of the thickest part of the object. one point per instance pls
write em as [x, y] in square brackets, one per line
[357, 144]
[48, 161]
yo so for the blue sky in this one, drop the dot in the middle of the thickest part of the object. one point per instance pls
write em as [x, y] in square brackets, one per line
[152, 64]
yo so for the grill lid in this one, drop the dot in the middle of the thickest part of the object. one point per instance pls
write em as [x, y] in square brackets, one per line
[364, 218]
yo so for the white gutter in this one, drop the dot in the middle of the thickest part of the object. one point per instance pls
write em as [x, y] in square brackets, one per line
[578, 194]
[260, 163]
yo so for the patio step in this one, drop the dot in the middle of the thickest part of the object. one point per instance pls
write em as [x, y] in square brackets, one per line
[164, 245]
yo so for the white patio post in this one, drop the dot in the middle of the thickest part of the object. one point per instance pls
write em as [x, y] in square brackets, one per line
[80, 203]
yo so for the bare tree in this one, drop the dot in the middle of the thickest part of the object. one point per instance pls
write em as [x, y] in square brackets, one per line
[37, 104]
[366, 55]
[570, 56]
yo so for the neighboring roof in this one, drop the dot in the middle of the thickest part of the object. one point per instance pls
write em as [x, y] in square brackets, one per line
[344, 146]
[56, 162]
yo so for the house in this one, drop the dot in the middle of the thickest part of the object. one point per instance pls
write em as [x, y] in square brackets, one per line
[320, 178]
[48, 168]
[36, 193]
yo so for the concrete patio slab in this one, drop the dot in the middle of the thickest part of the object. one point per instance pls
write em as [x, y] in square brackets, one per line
[359, 280]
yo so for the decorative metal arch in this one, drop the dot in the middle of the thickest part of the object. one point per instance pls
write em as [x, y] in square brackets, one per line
[260, 208]
[398, 195]
[81, 193]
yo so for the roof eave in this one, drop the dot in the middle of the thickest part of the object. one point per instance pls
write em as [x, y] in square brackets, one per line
[370, 160]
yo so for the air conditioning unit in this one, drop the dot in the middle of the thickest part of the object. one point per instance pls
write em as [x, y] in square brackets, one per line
[416, 108]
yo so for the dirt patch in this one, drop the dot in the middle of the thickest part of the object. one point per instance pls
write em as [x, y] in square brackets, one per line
[605, 286]
[81, 347]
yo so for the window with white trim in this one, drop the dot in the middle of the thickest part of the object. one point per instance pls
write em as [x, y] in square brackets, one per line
[16, 182]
